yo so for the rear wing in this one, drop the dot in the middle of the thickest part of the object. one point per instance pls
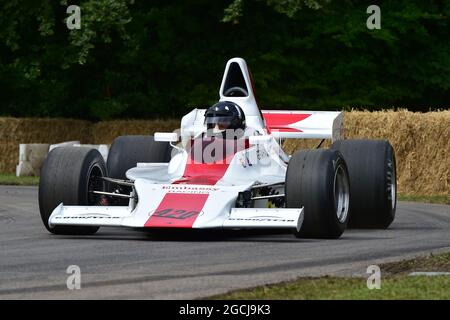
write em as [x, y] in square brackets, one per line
[304, 124]
[281, 124]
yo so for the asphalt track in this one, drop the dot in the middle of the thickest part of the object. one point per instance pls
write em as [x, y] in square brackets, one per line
[118, 263]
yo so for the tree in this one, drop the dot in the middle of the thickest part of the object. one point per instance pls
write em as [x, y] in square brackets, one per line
[160, 59]
[289, 7]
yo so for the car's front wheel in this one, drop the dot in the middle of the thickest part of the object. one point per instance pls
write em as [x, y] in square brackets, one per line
[318, 181]
[69, 175]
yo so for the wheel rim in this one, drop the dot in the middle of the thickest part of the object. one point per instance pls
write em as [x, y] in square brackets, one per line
[94, 183]
[391, 183]
[341, 194]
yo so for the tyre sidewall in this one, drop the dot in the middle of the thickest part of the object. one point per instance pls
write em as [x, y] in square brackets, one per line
[386, 200]
[310, 184]
[64, 179]
[368, 165]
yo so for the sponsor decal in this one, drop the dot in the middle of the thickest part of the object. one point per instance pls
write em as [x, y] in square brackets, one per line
[86, 217]
[177, 210]
[176, 188]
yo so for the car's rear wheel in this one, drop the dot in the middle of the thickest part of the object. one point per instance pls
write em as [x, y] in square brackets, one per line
[127, 151]
[68, 175]
[372, 170]
[317, 180]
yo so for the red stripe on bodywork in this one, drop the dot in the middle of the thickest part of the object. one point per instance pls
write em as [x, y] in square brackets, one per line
[197, 171]
[203, 173]
[282, 121]
[177, 210]
[180, 210]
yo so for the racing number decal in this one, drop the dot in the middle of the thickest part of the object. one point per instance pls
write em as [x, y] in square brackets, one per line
[178, 210]
[175, 214]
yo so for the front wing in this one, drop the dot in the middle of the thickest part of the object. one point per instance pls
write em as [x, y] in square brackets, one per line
[179, 206]
[238, 218]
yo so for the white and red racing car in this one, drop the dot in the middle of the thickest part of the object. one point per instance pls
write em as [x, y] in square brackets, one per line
[225, 168]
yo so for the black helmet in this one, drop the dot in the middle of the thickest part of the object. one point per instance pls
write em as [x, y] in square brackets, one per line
[224, 116]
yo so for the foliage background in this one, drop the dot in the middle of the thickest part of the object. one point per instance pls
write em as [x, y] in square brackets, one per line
[160, 58]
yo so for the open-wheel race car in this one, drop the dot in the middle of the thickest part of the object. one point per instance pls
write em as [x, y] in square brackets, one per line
[225, 169]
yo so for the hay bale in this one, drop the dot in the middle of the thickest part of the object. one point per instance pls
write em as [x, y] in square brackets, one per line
[8, 156]
[15, 131]
[421, 142]
[35, 130]
[106, 131]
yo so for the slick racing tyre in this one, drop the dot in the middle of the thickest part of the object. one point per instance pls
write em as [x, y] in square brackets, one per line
[68, 175]
[373, 183]
[127, 151]
[318, 181]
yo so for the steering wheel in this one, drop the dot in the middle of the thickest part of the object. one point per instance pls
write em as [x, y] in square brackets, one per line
[236, 92]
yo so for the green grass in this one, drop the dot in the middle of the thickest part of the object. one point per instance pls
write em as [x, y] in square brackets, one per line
[403, 287]
[433, 262]
[12, 180]
[441, 198]
[395, 284]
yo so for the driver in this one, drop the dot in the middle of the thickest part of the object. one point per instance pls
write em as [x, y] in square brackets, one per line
[225, 119]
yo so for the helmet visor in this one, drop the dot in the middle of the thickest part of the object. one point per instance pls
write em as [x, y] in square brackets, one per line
[219, 123]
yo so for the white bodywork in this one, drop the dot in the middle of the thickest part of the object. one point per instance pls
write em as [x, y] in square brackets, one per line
[183, 194]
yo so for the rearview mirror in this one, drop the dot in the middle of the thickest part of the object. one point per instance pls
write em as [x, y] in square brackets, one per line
[166, 136]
